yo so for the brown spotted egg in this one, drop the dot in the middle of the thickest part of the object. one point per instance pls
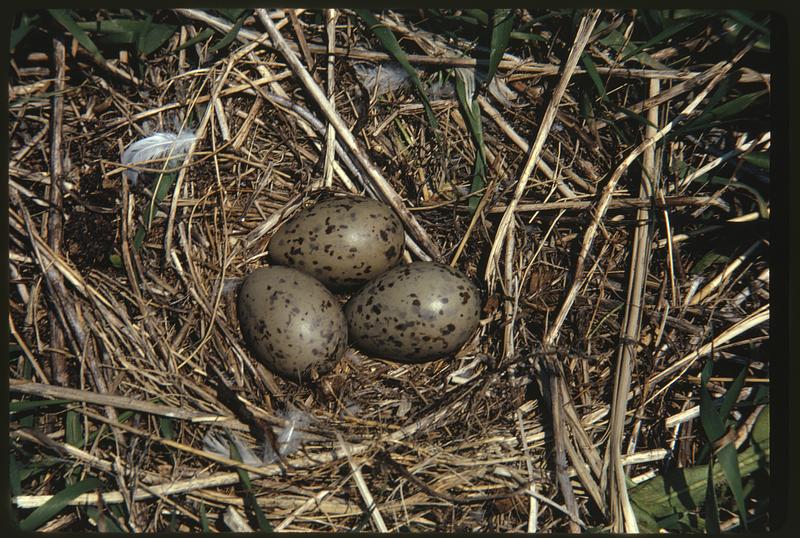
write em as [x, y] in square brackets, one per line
[414, 313]
[343, 242]
[291, 322]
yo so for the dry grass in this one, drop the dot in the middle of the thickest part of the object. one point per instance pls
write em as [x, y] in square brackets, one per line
[589, 244]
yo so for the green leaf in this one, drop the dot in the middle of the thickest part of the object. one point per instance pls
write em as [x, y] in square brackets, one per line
[729, 460]
[391, 44]
[714, 426]
[712, 509]
[64, 18]
[105, 522]
[200, 36]
[58, 502]
[229, 36]
[232, 13]
[14, 480]
[28, 405]
[502, 24]
[26, 24]
[165, 425]
[115, 260]
[527, 36]
[760, 159]
[661, 36]
[162, 189]
[732, 394]
[591, 69]
[249, 497]
[138, 239]
[710, 258]
[745, 19]
[471, 112]
[617, 41]
[74, 429]
[718, 113]
[153, 36]
[478, 14]
[204, 518]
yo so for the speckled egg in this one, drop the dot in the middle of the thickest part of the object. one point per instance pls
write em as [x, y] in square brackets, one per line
[414, 313]
[291, 322]
[343, 242]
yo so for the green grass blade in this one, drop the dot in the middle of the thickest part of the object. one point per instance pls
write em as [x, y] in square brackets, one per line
[138, 239]
[745, 19]
[153, 36]
[163, 186]
[105, 522]
[709, 417]
[229, 36]
[760, 159]
[65, 19]
[471, 112]
[502, 24]
[591, 69]
[712, 509]
[249, 496]
[200, 36]
[729, 461]
[661, 36]
[14, 480]
[73, 429]
[710, 258]
[58, 502]
[28, 405]
[391, 44]
[732, 394]
[231, 13]
[26, 24]
[165, 425]
[479, 15]
[204, 518]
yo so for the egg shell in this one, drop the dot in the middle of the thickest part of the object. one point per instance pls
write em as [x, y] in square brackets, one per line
[291, 322]
[414, 313]
[343, 242]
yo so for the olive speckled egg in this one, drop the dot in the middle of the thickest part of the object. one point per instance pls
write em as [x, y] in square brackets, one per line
[291, 322]
[343, 242]
[414, 313]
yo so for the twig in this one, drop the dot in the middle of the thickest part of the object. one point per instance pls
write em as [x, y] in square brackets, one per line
[616, 203]
[533, 508]
[720, 71]
[330, 135]
[58, 362]
[519, 66]
[582, 37]
[755, 319]
[385, 188]
[623, 518]
[369, 502]
[718, 280]
[122, 402]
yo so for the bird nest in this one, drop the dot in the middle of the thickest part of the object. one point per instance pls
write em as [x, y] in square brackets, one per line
[612, 208]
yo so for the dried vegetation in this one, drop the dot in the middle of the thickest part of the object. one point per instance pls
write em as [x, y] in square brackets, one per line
[620, 243]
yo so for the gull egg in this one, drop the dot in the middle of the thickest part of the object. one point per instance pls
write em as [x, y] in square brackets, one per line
[291, 322]
[414, 313]
[343, 242]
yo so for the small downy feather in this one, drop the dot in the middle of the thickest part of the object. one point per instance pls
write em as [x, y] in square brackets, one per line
[288, 439]
[289, 436]
[157, 147]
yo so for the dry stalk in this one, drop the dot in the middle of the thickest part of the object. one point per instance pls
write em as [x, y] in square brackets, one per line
[385, 188]
[581, 38]
[622, 516]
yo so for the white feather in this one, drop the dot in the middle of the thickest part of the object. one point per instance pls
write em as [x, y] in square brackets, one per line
[157, 147]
